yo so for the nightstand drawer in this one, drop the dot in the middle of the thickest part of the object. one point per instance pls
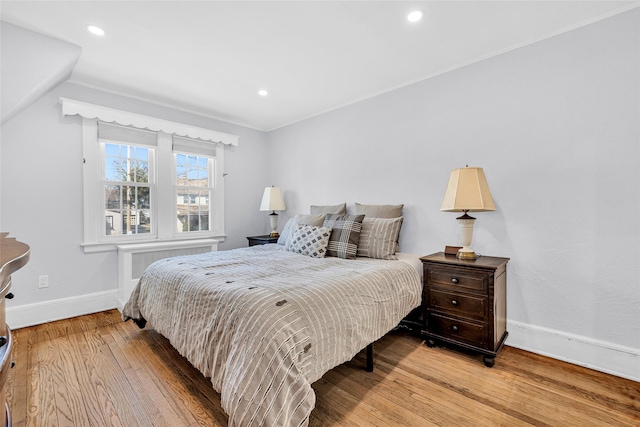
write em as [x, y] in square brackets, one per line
[261, 240]
[457, 278]
[471, 333]
[458, 304]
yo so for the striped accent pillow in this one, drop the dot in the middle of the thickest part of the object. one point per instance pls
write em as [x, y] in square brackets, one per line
[345, 236]
[310, 240]
[379, 238]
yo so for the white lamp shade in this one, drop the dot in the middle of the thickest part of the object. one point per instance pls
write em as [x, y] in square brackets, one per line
[467, 191]
[272, 200]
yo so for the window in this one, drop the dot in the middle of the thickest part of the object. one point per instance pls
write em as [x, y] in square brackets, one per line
[194, 165]
[142, 185]
[127, 159]
[193, 190]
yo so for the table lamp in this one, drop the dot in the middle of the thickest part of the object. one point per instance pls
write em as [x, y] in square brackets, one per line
[467, 191]
[272, 201]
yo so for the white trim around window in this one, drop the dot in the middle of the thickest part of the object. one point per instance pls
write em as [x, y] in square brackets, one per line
[164, 193]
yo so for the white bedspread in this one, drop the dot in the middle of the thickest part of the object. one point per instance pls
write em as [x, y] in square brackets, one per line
[264, 323]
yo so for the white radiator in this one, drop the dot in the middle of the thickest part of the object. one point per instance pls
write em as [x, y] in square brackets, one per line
[133, 259]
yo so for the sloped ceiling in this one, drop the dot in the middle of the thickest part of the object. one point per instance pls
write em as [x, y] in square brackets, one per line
[32, 64]
[212, 57]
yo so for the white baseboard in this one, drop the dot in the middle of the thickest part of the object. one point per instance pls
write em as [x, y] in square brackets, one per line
[64, 308]
[588, 352]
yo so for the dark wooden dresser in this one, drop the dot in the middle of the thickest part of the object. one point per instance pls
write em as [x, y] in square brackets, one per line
[13, 256]
[465, 303]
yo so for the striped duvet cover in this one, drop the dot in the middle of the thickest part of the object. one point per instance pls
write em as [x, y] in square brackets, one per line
[264, 323]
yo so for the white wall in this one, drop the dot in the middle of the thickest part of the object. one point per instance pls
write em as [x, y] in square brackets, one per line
[41, 183]
[554, 124]
[556, 127]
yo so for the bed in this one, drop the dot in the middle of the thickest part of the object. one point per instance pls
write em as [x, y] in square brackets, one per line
[265, 323]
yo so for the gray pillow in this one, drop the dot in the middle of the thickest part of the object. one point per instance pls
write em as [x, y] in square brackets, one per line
[379, 238]
[335, 209]
[379, 211]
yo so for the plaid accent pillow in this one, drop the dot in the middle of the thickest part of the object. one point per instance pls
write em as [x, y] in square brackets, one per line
[310, 240]
[343, 242]
[379, 238]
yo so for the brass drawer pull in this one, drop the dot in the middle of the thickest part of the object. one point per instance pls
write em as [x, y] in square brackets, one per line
[454, 302]
[454, 280]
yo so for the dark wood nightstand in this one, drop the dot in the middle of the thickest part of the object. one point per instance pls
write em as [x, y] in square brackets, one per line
[465, 303]
[261, 240]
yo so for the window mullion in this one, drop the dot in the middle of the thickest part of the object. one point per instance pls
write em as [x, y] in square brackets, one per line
[166, 201]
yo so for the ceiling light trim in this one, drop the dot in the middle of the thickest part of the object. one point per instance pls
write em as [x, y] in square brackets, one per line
[71, 107]
[95, 30]
[415, 16]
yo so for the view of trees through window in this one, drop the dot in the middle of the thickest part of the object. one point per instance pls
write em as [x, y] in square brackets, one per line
[127, 190]
[193, 192]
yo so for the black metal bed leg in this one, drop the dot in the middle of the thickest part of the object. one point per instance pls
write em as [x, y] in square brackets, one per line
[369, 363]
[141, 322]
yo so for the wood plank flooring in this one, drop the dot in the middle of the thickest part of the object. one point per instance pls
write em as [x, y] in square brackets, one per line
[96, 370]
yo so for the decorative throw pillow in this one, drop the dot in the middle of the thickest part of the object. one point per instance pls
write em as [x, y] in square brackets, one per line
[379, 238]
[286, 232]
[345, 235]
[379, 211]
[310, 240]
[335, 209]
[300, 219]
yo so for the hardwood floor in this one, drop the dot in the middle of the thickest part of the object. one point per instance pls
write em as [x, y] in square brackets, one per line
[96, 370]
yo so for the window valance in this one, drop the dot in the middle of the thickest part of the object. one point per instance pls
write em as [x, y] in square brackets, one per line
[72, 107]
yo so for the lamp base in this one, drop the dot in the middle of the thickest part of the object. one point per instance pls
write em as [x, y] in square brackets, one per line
[466, 234]
[469, 255]
[273, 220]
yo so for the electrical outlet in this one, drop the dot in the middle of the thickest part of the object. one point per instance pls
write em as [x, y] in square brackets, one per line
[43, 281]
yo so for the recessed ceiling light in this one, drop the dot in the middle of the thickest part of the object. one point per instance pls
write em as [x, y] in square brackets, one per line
[263, 92]
[414, 16]
[95, 30]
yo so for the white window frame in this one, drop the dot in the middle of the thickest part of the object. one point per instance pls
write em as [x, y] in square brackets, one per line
[165, 208]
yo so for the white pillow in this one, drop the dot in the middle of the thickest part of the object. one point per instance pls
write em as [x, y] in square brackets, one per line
[310, 240]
